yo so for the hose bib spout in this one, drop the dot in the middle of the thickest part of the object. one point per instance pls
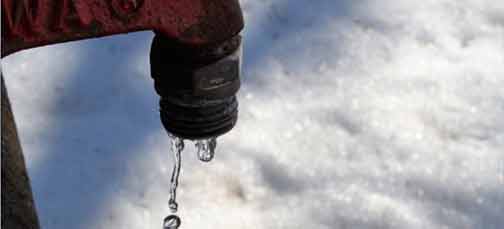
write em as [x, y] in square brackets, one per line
[197, 86]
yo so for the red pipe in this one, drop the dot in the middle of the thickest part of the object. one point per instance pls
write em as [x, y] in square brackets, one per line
[32, 23]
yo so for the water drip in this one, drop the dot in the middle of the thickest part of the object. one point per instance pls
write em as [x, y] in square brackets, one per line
[171, 222]
[206, 149]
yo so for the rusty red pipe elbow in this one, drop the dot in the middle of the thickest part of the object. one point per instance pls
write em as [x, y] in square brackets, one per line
[32, 23]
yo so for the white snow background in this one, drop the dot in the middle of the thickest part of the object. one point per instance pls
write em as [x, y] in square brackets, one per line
[353, 114]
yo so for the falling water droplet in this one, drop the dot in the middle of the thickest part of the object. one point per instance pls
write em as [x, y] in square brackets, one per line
[171, 222]
[172, 204]
[177, 145]
[206, 149]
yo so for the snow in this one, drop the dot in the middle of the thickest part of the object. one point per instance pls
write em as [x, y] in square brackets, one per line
[353, 114]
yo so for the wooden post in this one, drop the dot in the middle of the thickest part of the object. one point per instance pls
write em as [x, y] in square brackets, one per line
[18, 209]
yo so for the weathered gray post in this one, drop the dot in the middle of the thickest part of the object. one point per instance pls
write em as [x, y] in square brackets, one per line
[18, 209]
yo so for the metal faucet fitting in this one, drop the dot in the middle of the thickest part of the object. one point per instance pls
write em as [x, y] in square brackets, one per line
[197, 85]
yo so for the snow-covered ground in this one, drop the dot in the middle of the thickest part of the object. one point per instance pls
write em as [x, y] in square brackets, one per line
[353, 114]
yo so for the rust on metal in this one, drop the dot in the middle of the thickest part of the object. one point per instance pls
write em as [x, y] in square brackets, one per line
[32, 23]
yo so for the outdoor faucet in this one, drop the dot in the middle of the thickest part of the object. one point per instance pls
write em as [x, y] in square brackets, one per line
[195, 55]
[195, 58]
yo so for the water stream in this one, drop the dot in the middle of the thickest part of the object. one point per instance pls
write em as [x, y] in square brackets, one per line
[177, 146]
[205, 152]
